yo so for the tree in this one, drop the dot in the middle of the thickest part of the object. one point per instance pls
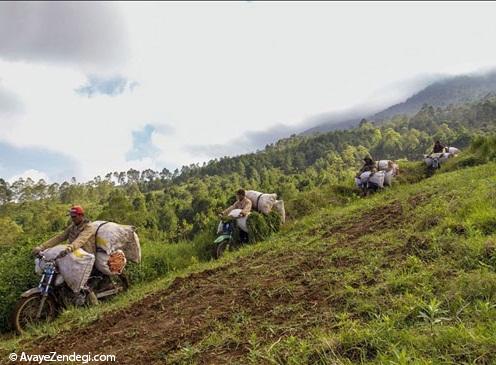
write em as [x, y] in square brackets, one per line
[118, 208]
[165, 174]
[391, 144]
[148, 175]
[10, 231]
[133, 176]
[167, 219]
[6, 193]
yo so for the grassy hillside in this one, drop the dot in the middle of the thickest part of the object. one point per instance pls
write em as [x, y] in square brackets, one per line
[404, 277]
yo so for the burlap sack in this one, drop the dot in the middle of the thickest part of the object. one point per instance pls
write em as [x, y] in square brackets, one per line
[261, 202]
[241, 222]
[75, 267]
[111, 237]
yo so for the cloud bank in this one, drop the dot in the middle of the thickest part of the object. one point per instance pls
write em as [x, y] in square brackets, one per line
[84, 33]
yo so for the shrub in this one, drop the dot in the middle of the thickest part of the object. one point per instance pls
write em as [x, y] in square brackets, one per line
[261, 226]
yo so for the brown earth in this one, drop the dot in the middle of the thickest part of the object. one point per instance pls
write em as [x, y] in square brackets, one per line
[274, 294]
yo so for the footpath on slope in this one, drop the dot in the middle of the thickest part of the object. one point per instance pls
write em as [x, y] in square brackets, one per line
[281, 291]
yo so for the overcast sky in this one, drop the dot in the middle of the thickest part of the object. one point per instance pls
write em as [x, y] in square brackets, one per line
[89, 88]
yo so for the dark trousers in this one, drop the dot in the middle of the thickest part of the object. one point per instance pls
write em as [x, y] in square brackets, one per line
[243, 236]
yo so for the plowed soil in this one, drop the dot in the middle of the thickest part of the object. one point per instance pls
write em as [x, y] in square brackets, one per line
[282, 293]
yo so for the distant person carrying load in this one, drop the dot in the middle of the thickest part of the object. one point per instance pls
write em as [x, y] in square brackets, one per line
[440, 154]
[438, 147]
[369, 165]
[368, 178]
[80, 234]
[243, 203]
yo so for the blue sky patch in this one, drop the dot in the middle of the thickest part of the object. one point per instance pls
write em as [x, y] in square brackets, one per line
[16, 160]
[142, 144]
[111, 86]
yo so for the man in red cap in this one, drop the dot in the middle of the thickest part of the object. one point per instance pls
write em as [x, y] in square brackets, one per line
[80, 234]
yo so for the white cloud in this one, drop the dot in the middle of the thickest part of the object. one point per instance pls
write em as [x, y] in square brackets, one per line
[9, 102]
[88, 34]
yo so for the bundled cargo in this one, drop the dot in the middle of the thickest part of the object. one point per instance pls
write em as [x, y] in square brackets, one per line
[240, 221]
[261, 202]
[377, 179]
[264, 203]
[445, 156]
[75, 268]
[388, 178]
[453, 151]
[110, 264]
[434, 160]
[112, 242]
[362, 180]
[369, 179]
[388, 166]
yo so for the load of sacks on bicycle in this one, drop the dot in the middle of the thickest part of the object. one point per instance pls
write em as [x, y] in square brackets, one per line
[375, 175]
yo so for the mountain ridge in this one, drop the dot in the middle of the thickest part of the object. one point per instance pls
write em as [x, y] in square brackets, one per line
[442, 93]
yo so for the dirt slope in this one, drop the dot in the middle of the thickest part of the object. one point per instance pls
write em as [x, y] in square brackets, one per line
[280, 292]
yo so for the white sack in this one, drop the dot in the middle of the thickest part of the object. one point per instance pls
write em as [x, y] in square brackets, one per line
[377, 178]
[75, 267]
[388, 178]
[383, 165]
[101, 263]
[434, 160]
[453, 150]
[265, 202]
[364, 177]
[444, 157]
[241, 222]
[389, 166]
[112, 236]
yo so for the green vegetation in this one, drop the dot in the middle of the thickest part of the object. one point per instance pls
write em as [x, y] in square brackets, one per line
[407, 276]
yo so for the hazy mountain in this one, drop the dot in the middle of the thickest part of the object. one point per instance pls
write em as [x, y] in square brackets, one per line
[452, 90]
